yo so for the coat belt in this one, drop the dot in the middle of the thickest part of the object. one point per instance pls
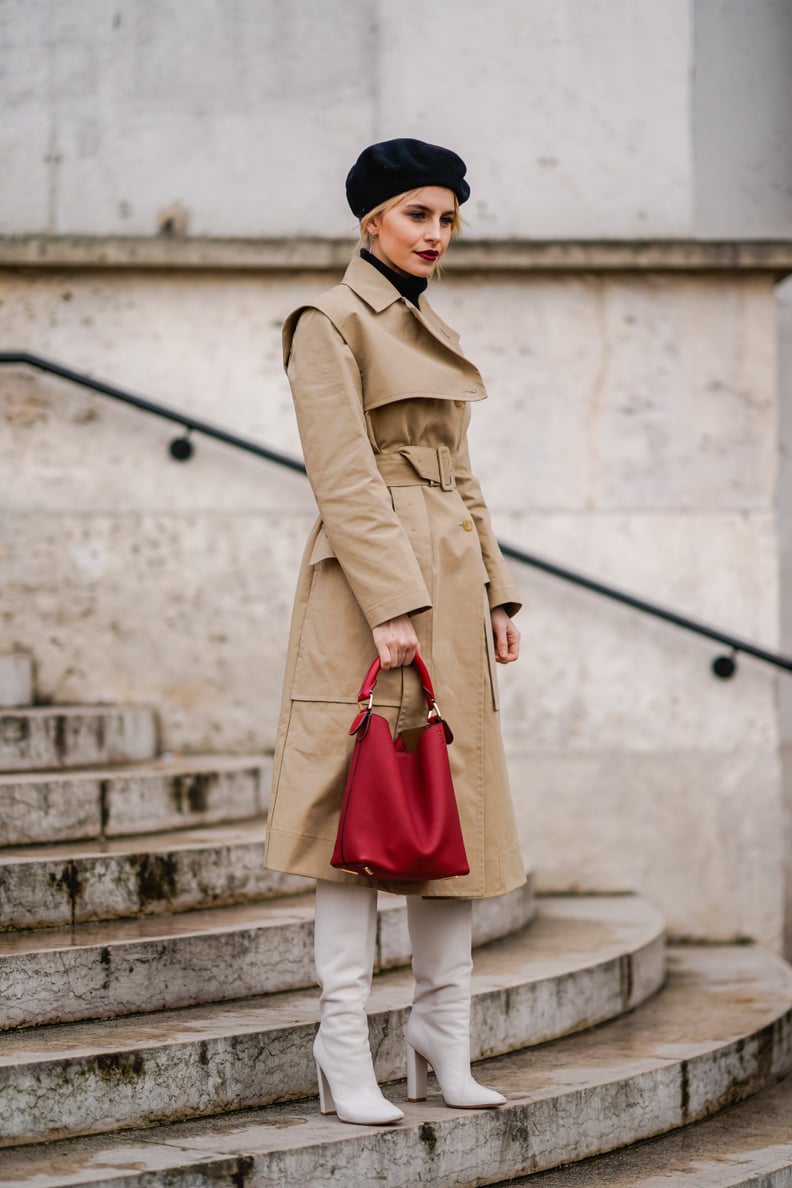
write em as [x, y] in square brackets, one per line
[415, 466]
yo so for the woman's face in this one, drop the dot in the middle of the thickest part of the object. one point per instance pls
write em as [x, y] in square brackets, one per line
[413, 235]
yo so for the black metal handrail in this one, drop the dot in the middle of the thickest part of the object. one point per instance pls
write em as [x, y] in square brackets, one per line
[181, 449]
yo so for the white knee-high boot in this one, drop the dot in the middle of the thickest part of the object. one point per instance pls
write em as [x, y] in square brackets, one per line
[344, 940]
[438, 1030]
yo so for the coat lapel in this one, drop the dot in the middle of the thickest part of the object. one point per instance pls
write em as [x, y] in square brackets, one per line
[377, 291]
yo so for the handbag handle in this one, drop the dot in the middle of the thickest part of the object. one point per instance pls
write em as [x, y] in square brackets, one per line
[369, 681]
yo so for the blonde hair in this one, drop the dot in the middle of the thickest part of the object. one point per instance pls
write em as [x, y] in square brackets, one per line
[364, 239]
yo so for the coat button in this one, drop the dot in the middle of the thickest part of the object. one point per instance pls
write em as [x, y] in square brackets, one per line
[459, 403]
[467, 525]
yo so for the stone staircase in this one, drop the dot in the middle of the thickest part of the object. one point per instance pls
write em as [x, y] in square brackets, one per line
[157, 1003]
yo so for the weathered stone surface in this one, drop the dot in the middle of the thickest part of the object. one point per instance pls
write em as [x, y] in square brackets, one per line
[104, 970]
[631, 433]
[179, 792]
[169, 793]
[74, 883]
[666, 405]
[16, 679]
[75, 736]
[127, 968]
[570, 167]
[621, 394]
[784, 293]
[604, 677]
[569, 969]
[216, 585]
[655, 470]
[618, 1084]
[735, 128]
[307, 253]
[58, 806]
[674, 825]
[748, 1146]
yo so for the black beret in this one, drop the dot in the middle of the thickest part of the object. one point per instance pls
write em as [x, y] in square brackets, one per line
[394, 166]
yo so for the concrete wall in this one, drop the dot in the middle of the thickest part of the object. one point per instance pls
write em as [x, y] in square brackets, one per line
[630, 433]
[248, 115]
[784, 504]
[741, 103]
[603, 118]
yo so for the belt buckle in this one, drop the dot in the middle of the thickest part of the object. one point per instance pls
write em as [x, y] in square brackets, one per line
[445, 468]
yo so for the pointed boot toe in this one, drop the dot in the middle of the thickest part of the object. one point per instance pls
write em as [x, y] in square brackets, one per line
[459, 1089]
[365, 1107]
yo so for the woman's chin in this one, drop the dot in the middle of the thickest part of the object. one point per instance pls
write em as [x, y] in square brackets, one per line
[421, 268]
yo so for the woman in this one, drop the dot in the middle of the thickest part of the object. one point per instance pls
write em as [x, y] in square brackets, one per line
[402, 557]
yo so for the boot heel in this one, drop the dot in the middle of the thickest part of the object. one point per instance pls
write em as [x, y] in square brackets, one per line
[326, 1103]
[416, 1075]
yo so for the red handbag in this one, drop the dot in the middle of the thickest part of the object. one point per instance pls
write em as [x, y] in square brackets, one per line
[399, 819]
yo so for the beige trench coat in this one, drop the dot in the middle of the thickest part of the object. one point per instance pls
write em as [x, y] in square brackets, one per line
[382, 394]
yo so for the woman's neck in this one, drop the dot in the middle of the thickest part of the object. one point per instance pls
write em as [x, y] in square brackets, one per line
[410, 287]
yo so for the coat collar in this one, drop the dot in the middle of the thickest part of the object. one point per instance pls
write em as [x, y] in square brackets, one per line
[377, 291]
[370, 284]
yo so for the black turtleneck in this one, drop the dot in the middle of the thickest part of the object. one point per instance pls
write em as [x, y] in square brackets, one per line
[410, 287]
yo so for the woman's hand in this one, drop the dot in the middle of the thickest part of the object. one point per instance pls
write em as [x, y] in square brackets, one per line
[396, 641]
[505, 635]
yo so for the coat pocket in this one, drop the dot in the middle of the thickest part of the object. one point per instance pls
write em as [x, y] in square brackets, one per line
[322, 549]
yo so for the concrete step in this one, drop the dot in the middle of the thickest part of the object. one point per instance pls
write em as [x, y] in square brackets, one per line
[155, 874]
[749, 1144]
[123, 967]
[52, 737]
[178, 792]
[718, 1032]
[16, 679]
[581, 962]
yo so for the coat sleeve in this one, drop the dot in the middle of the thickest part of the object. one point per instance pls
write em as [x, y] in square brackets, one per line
[367, 537]
[501, 589]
